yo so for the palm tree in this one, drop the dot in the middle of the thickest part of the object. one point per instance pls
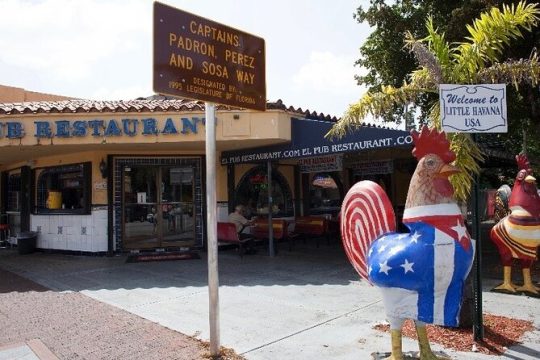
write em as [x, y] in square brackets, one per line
[476, 60]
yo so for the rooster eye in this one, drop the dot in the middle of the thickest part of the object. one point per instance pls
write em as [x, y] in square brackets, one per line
[430, 163]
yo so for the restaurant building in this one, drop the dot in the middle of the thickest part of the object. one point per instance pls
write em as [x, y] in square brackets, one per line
[114, 176]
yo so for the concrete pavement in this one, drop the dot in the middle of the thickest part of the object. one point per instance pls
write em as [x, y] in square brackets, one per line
[304, 304]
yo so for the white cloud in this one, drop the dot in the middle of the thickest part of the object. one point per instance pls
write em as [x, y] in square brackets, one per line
[326, 83]
[65, 39]
[327, 72]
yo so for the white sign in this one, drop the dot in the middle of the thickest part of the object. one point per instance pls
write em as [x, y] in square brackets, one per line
[141, 198]
[473, 108]
[321, 163]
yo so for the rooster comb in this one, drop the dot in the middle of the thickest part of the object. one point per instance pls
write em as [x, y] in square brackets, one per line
[522, 162]
[431, 141]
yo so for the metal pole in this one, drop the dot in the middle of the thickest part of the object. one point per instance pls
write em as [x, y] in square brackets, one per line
[478, 327]
[211, 223]
[271, 249]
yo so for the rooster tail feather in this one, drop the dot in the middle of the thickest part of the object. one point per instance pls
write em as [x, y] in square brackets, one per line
[366, 214]
[502, 196]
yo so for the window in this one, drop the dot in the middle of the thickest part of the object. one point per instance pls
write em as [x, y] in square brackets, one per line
[14, 192]
[64, 189]
[325, 194]
[252, 192]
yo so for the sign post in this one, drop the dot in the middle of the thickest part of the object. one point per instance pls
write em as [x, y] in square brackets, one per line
[201, 59]
[474, 109]
[211, 220]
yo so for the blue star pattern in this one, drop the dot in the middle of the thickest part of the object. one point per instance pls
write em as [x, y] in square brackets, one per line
[417, 261]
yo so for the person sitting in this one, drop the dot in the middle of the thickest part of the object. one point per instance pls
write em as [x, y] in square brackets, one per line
[238, 219]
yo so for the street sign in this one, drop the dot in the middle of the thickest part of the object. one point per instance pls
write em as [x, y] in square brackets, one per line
[201, 59]
[473, 108]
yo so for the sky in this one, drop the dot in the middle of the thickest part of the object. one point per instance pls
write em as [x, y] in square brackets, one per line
[102, 49]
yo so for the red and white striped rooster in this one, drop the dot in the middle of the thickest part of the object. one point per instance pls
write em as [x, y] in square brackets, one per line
[518, 234]
[421, 274]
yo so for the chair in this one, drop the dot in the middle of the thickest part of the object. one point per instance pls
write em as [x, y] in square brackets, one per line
[226, 233]
[280, 231]
[4, 235]
[312, 227]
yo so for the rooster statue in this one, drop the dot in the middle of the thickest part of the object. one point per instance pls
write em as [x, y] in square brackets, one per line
[421, 274]
[518, 234]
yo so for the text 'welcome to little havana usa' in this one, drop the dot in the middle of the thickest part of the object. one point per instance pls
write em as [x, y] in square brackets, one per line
[473, 108]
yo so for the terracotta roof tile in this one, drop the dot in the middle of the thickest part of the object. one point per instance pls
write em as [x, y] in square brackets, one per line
[152, 104]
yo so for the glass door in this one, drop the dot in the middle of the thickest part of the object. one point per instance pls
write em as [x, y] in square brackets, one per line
[178, 225]
[140, 207]
[151, 220]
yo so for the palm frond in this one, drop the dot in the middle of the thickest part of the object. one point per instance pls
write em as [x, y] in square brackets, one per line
[375, 105]
[468, 157]
[515, 72]
[437, 45]
[491, 33]
[426, 59]
[424, 78]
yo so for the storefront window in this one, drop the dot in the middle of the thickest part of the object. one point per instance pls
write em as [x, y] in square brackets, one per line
[14, 192]
[64, 189]
[252, 192]
[325, 194]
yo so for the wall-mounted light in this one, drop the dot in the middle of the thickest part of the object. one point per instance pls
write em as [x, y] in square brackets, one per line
[103, 168]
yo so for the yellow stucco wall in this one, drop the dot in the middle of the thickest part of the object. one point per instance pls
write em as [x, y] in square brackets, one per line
[256, 128]
[15, 94]
[234, 130]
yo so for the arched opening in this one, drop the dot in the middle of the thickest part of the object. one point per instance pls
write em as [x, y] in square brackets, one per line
[252, 192]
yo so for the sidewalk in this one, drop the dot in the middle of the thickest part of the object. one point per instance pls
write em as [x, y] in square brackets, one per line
[305, 304]
[39, 324]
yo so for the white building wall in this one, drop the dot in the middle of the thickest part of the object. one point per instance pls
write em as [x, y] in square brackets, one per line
[71, 232]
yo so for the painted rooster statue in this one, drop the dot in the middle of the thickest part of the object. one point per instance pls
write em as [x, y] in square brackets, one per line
[421, 274]
[518, 234]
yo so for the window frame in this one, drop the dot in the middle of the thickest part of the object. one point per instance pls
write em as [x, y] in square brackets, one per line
[39, 202]
[10, 189]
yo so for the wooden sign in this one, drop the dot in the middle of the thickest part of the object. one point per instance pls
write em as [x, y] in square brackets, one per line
[204, 60]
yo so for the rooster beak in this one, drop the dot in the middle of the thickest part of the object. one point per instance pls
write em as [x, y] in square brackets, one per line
[448, 170]
[530, 179]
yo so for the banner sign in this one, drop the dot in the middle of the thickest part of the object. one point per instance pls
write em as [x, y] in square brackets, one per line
[473, 108]
[308, 139]
[375, 167]
[321, 163]
[201, 59]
